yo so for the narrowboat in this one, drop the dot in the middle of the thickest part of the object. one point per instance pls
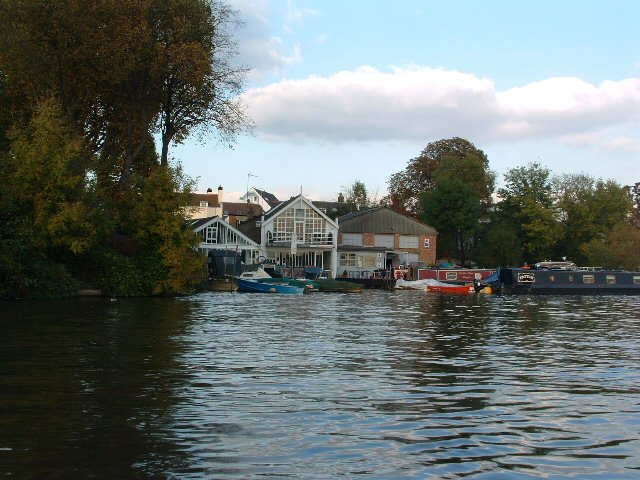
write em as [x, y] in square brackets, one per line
[563, 278]
[455, 275]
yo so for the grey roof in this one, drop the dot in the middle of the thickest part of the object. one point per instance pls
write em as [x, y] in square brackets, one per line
[198, 222]
[279, 207]
[382, 220]
[270, 198]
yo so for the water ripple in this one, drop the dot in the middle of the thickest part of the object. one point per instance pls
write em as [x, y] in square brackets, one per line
[393, 385]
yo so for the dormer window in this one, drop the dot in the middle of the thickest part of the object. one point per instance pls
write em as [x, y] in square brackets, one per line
[204, 203]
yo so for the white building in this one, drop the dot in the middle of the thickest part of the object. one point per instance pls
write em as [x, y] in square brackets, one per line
[295, 234]
[265, 199]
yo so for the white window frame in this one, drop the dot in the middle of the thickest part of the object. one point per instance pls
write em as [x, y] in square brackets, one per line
[384, 241]
[352, 239]
[409, 241]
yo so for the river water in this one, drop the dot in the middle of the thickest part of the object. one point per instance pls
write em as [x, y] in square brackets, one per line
[389, 385]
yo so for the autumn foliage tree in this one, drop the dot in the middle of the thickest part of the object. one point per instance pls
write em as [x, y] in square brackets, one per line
[85, 86]
[441, 158]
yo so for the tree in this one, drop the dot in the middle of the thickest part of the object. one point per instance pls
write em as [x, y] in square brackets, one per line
[406, 187]
[49, 177]
[527, 203]
[200, 85]
[635, 195]
[619, 249]
[162, 227]
[452, 209]
[499, 246]
[122, 69]
[588, 209]
[357, 196]
[84, 87]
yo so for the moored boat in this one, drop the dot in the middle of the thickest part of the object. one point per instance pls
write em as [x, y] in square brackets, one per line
[564, 278]
[253, 286]
[455, 275]
[451, 289]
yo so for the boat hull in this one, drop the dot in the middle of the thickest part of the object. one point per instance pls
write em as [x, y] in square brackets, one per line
[318, 285]
[252, 286]
[451, 289]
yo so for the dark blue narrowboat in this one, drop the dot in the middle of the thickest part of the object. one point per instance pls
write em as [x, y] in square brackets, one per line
[563, 278]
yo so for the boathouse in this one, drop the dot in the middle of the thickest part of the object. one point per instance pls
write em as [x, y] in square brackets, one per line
[295, 234]
[378, 240]
[218, 235]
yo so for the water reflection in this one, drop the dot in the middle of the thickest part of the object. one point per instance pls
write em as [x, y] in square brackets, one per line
[383, 385]
[85, 383]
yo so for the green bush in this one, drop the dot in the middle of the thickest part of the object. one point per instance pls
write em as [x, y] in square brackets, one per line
[124, 276]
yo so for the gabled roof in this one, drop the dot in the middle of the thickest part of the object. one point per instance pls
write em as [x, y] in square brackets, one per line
[270, 198]
[382, 220]
[281, 207]
[201, 223]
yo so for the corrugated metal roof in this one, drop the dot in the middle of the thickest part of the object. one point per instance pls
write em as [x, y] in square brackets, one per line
[382, 220]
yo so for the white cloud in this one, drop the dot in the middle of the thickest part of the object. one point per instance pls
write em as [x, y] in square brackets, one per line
[257, 46]
[297, 15]
[413, 103]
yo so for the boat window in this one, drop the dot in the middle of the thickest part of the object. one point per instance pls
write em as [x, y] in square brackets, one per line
[571, 278]
[588, 279]
[611, 279]
[636, 279]
[452, 275]
[552, 278]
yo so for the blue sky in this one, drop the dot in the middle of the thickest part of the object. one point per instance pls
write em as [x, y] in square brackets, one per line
[352, 90]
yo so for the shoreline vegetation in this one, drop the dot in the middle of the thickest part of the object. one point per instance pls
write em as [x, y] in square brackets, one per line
[91, 200]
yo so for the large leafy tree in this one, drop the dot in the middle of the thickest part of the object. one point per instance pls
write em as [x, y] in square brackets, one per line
[453, 209]
[200, 83]
[84, 87]
[121, 70]
[49, 179]
[499, 246]
[588, 209]
[440, 158]
[620, 248]
[527, 203]
[358, 196]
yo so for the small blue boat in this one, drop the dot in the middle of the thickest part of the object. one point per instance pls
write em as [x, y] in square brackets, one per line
[253, 286]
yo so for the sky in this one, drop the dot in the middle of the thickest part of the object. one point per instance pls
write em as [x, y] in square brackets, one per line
[346, 90]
